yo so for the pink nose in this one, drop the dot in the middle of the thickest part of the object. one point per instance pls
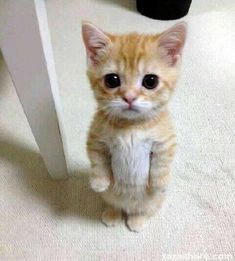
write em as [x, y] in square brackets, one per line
[129, 98]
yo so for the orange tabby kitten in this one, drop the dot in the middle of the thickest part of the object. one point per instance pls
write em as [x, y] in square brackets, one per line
[131, 141]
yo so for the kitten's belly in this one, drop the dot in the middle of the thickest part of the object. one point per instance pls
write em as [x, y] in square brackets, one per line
[131, 162]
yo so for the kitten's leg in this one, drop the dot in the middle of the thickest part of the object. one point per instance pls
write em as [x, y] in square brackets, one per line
[101, 175]
[137, 222]
[162, 157]
[112, 217]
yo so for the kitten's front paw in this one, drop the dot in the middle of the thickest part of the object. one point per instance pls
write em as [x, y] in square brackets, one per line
[112, 217]
[136, 223]
[99, 183]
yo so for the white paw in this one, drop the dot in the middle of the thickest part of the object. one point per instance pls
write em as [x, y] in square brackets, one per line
[136, 223]
[111, 217]
[99, 183]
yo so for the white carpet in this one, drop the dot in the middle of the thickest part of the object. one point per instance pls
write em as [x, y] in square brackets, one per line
[42, 219]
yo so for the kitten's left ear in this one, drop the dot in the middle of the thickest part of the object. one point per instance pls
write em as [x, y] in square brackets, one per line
[171, 43]
[96, 42]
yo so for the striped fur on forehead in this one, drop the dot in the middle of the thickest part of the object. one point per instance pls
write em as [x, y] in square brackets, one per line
[130, 50]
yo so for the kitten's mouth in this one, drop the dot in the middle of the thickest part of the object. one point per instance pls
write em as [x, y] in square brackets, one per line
[130, 109]
[130, 113]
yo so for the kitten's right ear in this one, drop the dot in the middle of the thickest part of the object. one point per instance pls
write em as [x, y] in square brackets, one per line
[96, 42]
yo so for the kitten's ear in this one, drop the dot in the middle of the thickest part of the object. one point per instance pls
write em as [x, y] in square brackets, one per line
[171, 43]
[96, 42]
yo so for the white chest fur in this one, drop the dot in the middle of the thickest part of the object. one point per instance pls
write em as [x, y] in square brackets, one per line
[130, 158]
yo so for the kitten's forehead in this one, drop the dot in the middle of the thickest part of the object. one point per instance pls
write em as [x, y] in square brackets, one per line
[132, 53]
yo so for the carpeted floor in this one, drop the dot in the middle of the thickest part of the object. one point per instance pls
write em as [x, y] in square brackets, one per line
[41, 219]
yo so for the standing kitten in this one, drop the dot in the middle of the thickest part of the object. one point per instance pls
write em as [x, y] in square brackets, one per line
[131, 141]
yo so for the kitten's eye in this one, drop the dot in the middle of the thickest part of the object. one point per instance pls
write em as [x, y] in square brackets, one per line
[112, 80]
[150, 81]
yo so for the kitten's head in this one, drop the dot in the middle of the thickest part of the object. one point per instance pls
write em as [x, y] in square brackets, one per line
[133, 75]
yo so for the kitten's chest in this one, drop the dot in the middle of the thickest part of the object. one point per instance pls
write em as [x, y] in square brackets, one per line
[130, 157]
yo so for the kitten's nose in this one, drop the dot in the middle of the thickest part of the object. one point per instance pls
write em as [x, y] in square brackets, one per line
[129, 98]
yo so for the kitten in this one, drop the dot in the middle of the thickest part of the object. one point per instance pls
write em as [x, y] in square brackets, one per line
[131, 141]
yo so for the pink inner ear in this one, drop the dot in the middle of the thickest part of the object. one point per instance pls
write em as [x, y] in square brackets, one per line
[172, 42]
[95, 50]
[174, 53]
[95, 41]
[92, 54]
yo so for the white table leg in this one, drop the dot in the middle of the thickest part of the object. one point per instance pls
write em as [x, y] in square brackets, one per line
[26, 47]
